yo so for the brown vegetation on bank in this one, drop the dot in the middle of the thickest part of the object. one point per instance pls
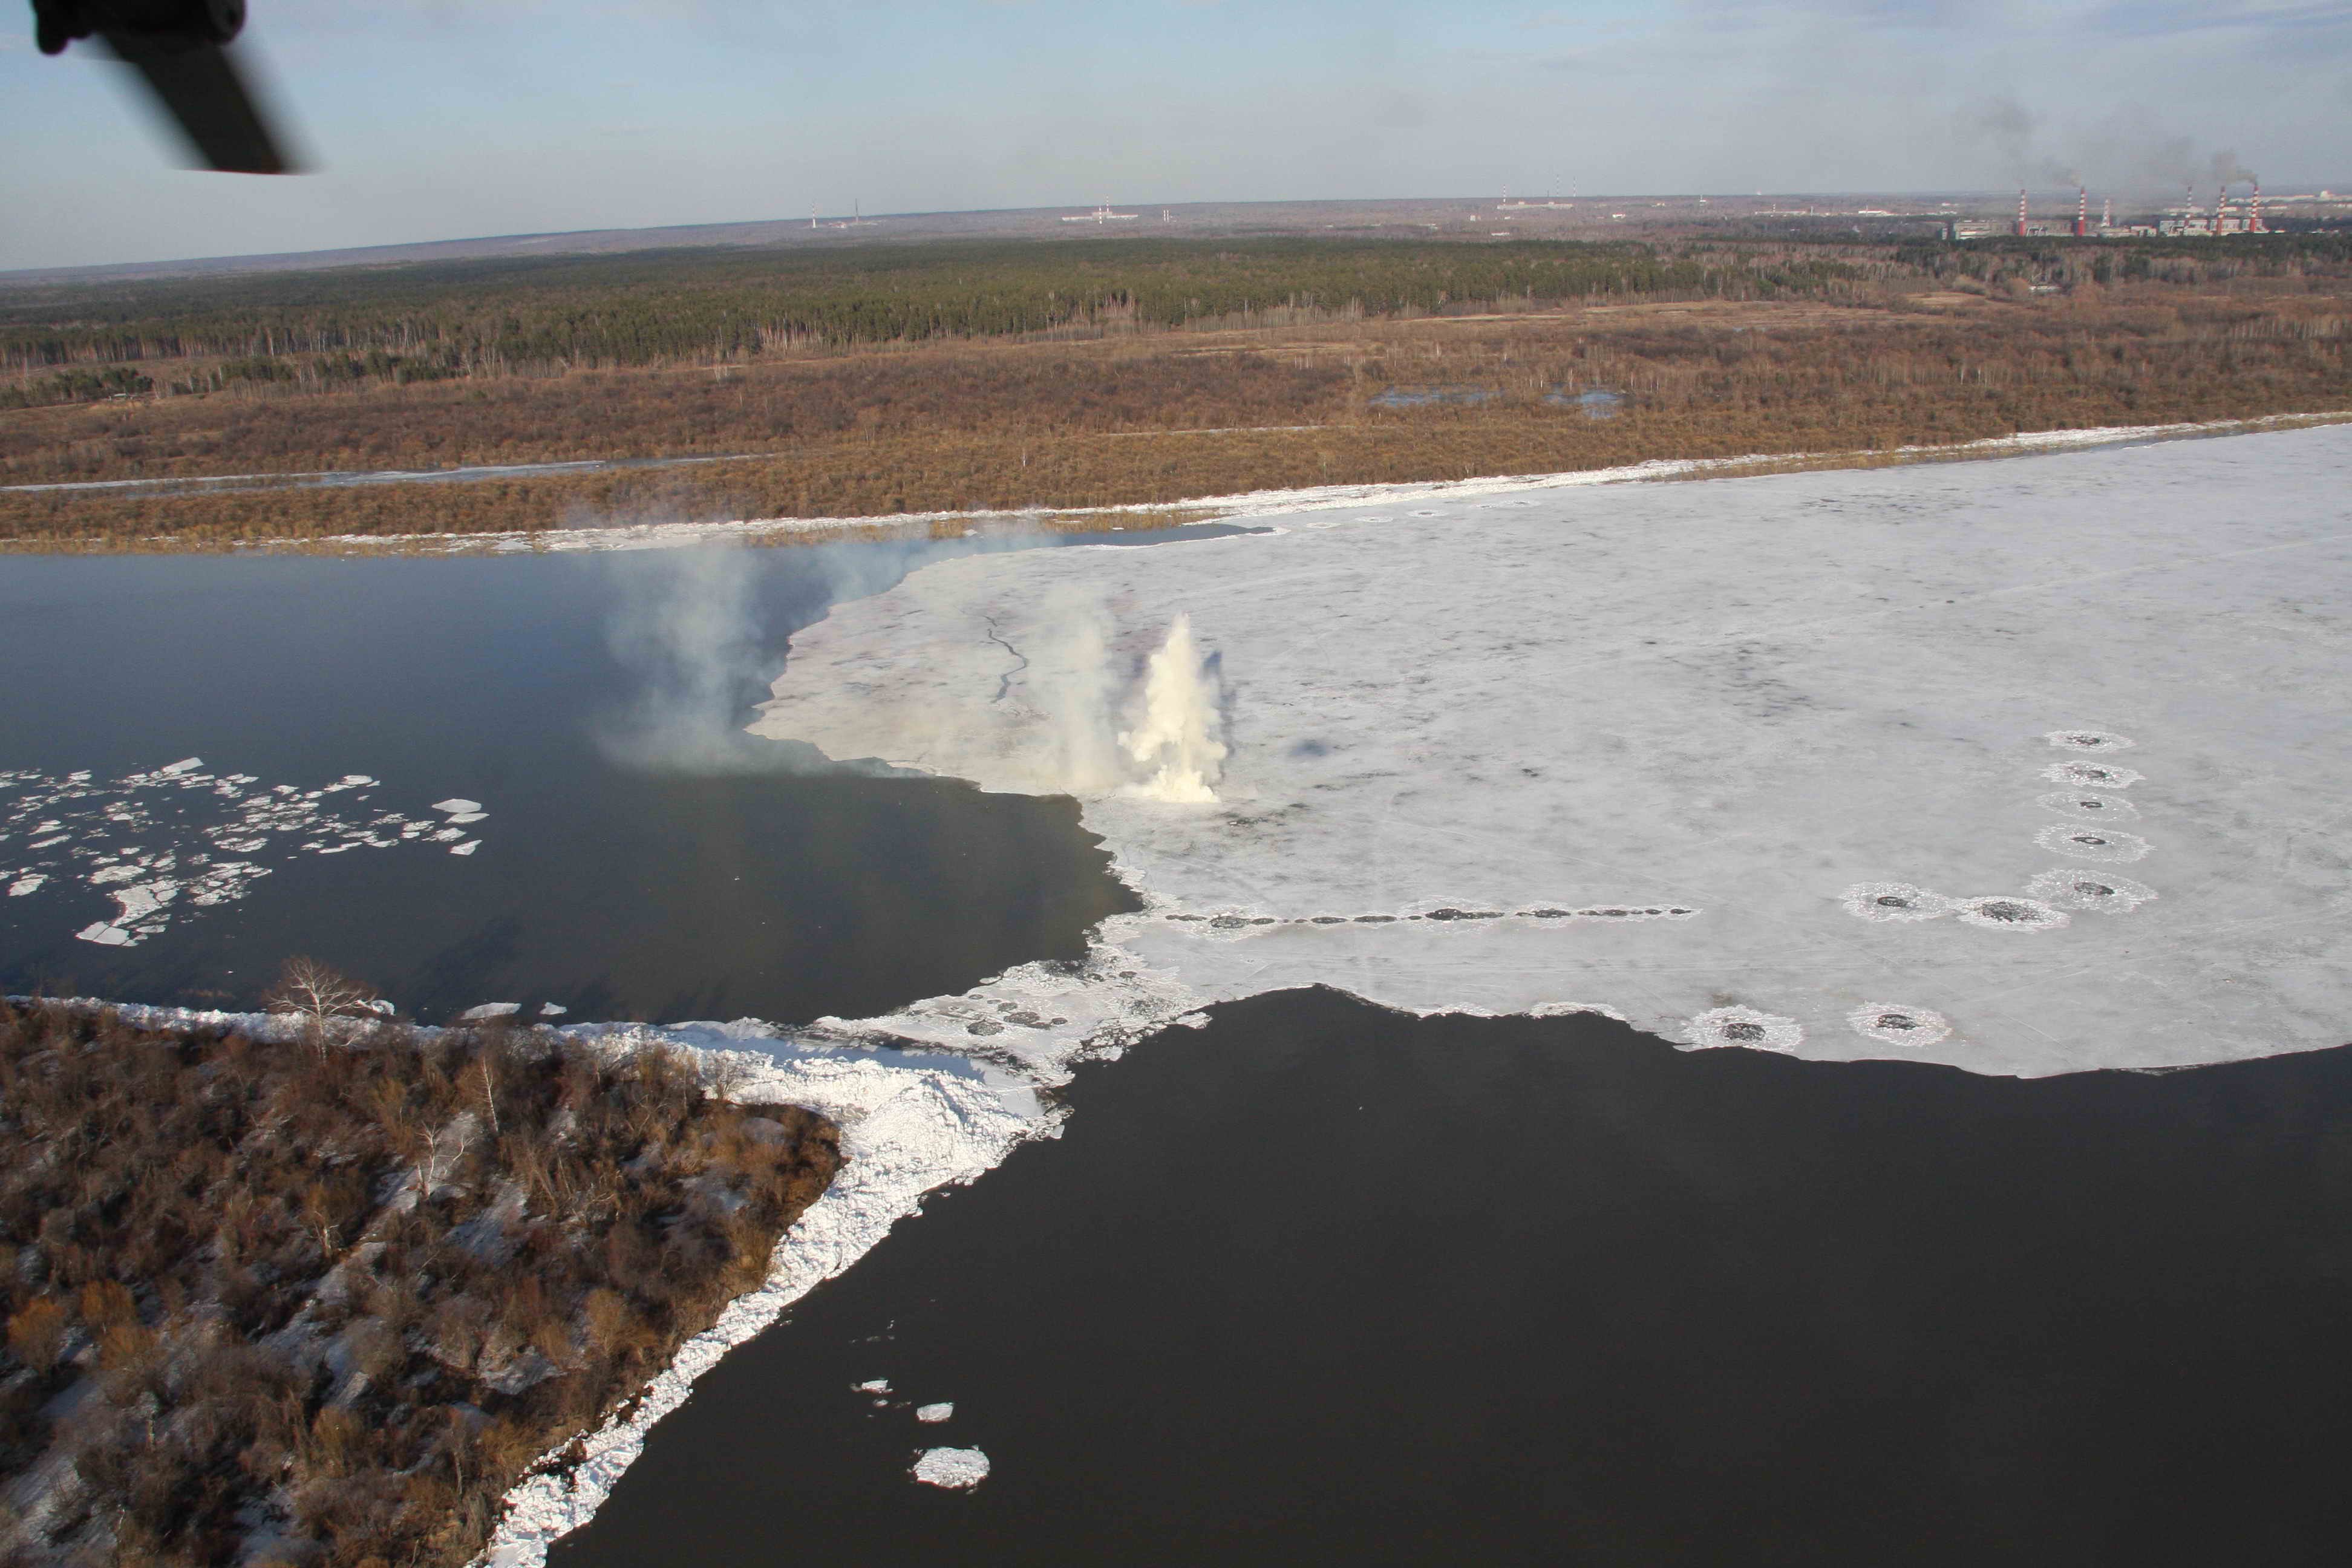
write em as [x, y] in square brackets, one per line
[313, 1302]
[1922, 347]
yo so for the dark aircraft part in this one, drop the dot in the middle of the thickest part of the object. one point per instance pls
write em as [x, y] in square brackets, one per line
[176, 45]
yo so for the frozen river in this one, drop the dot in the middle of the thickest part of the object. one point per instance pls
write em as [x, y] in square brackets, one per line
[2025, 766]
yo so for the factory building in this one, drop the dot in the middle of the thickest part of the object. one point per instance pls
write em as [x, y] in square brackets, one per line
[2189, 220]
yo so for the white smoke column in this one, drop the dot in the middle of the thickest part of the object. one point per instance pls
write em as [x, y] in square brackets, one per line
[1176, 737]
[686, 630]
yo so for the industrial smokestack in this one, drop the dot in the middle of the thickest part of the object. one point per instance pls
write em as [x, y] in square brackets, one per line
[2255, 224]
[2082, 211]
[2107, 213]
[2021, 212]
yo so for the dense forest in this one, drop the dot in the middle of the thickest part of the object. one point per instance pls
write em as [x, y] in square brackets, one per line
[323, 1297]
[549, 315]
[555, 314]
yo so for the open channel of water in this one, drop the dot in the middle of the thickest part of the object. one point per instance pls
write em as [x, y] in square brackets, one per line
[1323, 1284]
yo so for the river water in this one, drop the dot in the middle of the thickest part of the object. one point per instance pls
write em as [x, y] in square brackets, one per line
[1315, 1282]
[1321, 1283]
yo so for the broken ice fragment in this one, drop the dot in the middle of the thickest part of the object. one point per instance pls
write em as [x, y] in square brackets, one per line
[457, 805]
[958, 1470]
[934, 1412]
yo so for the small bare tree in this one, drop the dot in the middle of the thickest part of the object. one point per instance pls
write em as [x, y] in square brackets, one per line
[318, 997]
[724, 1073]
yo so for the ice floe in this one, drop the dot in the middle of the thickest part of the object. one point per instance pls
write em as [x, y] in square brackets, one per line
[172, 840]
[958, 1470]
[932, 1415]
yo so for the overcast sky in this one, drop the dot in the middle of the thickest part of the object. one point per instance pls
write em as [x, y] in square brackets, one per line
[443, 119]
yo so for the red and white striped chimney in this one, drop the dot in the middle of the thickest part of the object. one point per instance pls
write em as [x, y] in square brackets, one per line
[2082, 211]
[2255, 225]
[2020, 211]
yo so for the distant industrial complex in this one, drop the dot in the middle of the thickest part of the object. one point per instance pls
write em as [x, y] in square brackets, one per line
[2189, 220]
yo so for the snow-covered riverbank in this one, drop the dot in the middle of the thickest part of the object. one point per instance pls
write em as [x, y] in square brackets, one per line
[662, 535]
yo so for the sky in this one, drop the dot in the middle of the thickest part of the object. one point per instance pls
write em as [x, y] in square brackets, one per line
[442, 120]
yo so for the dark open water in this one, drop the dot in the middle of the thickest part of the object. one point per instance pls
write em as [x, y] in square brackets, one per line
[1324, 1284]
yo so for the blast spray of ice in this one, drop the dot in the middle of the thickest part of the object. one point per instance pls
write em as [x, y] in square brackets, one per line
[1176, 736]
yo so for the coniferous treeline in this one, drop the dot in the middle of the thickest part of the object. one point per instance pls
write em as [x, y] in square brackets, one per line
[427, 321]
[282, 1301]
[541, 315]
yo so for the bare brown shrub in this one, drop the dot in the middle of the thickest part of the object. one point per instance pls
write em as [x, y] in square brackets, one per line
[339, 1289]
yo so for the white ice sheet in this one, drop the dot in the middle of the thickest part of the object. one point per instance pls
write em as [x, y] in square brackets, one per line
[1740, 698]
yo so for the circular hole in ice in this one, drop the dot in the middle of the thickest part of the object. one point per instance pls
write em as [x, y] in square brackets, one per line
[2086, 844]
[2103, 776]
[2095, 808]
[1895, 901]
[1739, 1026]
[2012, 914]
[2088, 740]
[2069, 889]
[1896, 1025]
